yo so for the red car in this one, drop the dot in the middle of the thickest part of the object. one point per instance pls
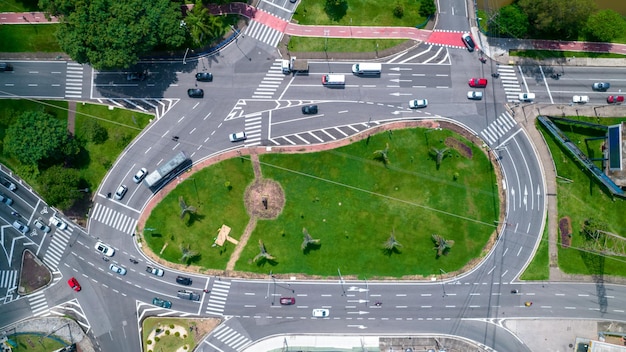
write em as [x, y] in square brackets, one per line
[74, 284]
[287, 301]
[615, 99]
[478, 82]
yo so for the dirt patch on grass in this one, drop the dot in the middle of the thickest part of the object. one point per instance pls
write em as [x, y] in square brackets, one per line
[565, 228]
[264, 199]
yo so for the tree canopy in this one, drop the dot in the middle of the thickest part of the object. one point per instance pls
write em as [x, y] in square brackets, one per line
[59, 186]
[113, 34]
[605, 25]
[510, 21]
[559, 19]
[37, 136]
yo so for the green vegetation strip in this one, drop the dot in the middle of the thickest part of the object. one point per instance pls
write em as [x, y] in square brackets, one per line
[581, 198]
[550, 54]
[340, 45]
[29, 38]
[349, 201]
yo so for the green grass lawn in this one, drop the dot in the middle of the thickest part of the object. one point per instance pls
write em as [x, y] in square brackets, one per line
[122, 127]
[28, 38]
[349, 201]
[168, 340]
[340, 45]
[19, 5]
[358, 13]
[539, 267]
[580, 199]
[550, 54]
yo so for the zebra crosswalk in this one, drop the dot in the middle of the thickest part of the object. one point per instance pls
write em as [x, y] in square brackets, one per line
[8, 279]
[58, 243]
[230, 337]
[270, 83]
[114, 219]
[74, 80]
[510, 83]
[217, 299]
[498, 128]
[38, 303]
[263, 33]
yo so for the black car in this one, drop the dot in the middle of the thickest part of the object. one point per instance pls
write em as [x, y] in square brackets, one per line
[183, 280]
[136, 76]
[469, 43]
[309, 109]
[204, 77]
[195, 93]
[5, 66]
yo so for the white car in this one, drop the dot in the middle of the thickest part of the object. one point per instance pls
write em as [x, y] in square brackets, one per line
[154, 271]
[117, 269]
[474, 95]
[418, 103]
[54, 220]
[104, 249]
[140, 175]
[526, 97]
[41, 226]
[580, 99]
[20, 227]
[236, 137]
[121, 191]
[321, 313]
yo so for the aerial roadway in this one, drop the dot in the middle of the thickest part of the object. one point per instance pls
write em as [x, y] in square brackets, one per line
[250, 94]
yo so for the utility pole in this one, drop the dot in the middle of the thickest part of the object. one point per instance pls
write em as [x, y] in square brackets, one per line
[341, 282]
[441, 272]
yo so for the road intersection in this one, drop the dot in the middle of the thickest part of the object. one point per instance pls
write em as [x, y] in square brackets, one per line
[256, 97]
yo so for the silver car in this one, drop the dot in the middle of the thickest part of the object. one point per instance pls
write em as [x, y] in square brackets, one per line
[121, 191]
[117, 269]
[41, 226]
[20, 227]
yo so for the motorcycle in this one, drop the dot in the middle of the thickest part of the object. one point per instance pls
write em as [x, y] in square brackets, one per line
[495, 75]
[514, 291]
[482, 59]
[378, 304]
[105, 259]
[134, 261]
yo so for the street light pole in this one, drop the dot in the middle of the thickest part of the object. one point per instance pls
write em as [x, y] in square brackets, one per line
[442, 285]
[341, 281]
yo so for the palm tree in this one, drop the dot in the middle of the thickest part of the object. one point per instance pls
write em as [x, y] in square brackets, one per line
[391, 244]
[438, 154]
[263, 254]
[382, 155]
[184, 208]
[197, 22]
[308, 240]
[441, 244]
[188, 254]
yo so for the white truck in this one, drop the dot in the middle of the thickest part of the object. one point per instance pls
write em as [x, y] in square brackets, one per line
[295, 65]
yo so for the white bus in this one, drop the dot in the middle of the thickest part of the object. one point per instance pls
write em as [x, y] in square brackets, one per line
[368, 68]
[333, 80]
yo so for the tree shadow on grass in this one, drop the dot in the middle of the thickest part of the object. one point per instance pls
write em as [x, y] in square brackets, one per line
[389, 252]
[312, 247]
[264, 261]
[595, 265]
[193, 218]
[336, 9]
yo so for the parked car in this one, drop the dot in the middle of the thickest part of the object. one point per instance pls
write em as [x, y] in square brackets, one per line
[74, 284]
[161, 303]
[8, 184]
[287, 301]
[117, 269]
[195, 93]
[183, 280]
[474, 95]
[418, 103]
[6, 200]
[60, 224]
[121, 191]
[20, 227]
[204, 77]
[41, 226]
[615, 99]
[140, 175]
[478, 82]
[580, 99]
[104, 249]
[467, 40]
[321, 313]
[237, 137]
[601, 86]
[526, 97]
[309, 109]
[154, 271]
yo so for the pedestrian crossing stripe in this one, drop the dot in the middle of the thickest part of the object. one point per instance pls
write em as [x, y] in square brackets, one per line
[231, 337]
[263, 33]
[498, 128]
[8, 279]
[115, 219]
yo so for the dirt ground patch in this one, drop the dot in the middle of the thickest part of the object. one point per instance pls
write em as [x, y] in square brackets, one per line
[264, 199]
[34, 274]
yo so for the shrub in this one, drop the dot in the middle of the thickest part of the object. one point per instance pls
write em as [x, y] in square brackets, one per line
[171, 326]
[177, 334]
[167, 332]
[398, 11]
[149, 342]
[157, 339]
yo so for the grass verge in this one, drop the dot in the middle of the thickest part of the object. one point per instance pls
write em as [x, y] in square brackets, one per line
[340, 45]
[580, 197]
[19, 6]
[539, 267]
[29, 38]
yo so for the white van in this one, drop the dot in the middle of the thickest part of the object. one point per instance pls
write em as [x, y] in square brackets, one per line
[333, 80]
[368, 68]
